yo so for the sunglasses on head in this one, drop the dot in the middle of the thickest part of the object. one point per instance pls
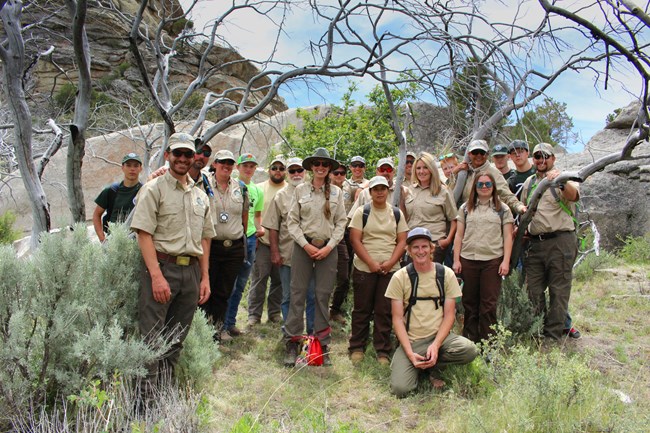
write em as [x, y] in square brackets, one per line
[541, 155]
[478, 152]
[277, 168]
[321, 163]
[339, 173]
[487, 184]
[226, 162]
[358, 165]
[296, 170]
[385, 169]
[186, 153]
[205, 152]
[445, 156]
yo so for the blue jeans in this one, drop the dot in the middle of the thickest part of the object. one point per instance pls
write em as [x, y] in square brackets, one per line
[285, 278]
[240, 283]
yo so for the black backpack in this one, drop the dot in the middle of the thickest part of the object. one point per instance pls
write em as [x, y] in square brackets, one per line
[438, 300]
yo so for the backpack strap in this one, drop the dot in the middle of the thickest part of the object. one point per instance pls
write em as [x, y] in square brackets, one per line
[246, 205]
[439, 300]
[366, 214]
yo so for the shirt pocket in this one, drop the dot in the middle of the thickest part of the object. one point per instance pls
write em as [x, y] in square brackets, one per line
[306, 203]
[171, 219]
[197, 217]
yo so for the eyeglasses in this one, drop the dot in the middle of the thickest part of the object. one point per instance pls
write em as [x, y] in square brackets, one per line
[358, 165]
[338, 173]
[205, 152]
[478, 152]
[445, 156]
[487, 184]
[410, 161]
[226, 162]
[277, 168]
[541, 155]
[386, 169]
[186, 153]
[319, 163]
[296, 170]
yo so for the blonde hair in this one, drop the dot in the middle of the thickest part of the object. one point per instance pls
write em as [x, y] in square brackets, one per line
[435, 185]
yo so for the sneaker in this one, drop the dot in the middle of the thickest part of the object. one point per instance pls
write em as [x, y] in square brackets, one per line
[383, 360]
[573, 333]
[291, 352]
[338, 318]
[235, 332]
[252, 321]
[327, 362]
[275, 318]
[225, 337]
[357, 357]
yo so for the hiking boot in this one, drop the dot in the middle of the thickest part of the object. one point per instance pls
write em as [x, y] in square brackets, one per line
[252, 321]
[383, 360]
[357, 357]
[573, 333]
[338, 318]
[275, 318]
[327, 362]
[235, 332]
[290, 354]
[225, 337]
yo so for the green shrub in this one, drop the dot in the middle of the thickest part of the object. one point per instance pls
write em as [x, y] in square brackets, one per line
[585, 270]
[515, 311]
[7, 233]
[636, 249]
[64, 98]
[200, 354]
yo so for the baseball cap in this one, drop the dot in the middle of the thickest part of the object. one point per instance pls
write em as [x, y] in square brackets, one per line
[182, 140]
[246, 157]
[358, 158]
[419, 233]
[223, 155]
[131, 157]
[544, 147]
[518, 144]
[279, 159]
[499, 149]
[410, 154]
[377, 180]
[294, 161]
[386, 161]
[478, 145]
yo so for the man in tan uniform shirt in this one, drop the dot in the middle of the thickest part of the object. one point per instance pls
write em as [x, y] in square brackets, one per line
[174, 227]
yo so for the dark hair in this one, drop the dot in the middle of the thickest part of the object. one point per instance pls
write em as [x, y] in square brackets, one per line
[473, 195]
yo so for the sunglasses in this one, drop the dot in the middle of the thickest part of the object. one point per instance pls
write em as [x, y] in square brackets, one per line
[445, 156]
[387, 169]
[487, 184]
[338, 173]
[226, 162]
[541, 155]
[410, 161]
[277, 168]
[321, 163]
[205, 152]
[478, 152]
[186, 153]
[296, 170]
[358, 165]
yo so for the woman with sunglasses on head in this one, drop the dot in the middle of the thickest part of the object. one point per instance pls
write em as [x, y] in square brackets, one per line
[227, 253]
[482, 255]
[316, 223]
[431, 205]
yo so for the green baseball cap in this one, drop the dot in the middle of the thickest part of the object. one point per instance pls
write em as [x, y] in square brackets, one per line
[246, 157]
[131, 157]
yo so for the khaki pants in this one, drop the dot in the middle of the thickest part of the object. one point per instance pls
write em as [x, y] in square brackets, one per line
[403, 374]
[262, 270]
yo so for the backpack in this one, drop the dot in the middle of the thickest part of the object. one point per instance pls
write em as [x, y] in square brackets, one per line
[438, 300]
[112, 195]
[366, 214]
[310, 351]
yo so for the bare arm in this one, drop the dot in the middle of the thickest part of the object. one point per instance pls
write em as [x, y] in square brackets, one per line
[360, 250]
[159, 285]
[97, 223]
[448, 318]
[397, 311]
[398, 252]
[204, 263]
[458, 244]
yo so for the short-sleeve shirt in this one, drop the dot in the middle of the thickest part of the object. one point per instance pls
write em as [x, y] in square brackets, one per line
[516, 182]
[176, 216]
[227, 208]
[256, 204]
[269, 190]
[550, 217]
[503, 190]
[431, 212]
[307, 219]
[350, 188]
[425, 318]
[484, 226]
[379, 236]
[122, 205]
[364, 197]
[275, 218]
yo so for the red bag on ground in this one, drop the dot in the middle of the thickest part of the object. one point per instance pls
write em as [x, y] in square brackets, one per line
[311, 351]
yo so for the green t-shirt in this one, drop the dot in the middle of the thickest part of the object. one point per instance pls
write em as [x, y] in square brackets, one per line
[122, 205]
[256, 199]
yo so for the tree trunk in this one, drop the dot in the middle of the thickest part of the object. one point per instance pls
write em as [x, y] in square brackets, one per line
[13, 56]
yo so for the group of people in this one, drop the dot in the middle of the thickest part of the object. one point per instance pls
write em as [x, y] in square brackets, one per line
[202, 233]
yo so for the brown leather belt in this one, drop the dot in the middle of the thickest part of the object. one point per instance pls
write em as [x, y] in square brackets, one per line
[317, 242]
[177, 260]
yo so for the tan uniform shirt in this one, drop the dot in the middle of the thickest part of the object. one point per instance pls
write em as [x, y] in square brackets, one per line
[364, 197]
[503, 189]
[350, 188]
[550, 217]
[227, 207]
[425, 318]
[379, 236]
[269, 189]
[276, 218]
[483, 238]
[306, 217]
[431, 212]
[176, 216]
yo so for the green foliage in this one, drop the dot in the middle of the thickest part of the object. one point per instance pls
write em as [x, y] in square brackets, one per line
[515, 311]
[611, 116]
[64, 98]
[636, 249]
[548, 123]
[585, 270]
[180, 24]
[7, 233]
[200, 354]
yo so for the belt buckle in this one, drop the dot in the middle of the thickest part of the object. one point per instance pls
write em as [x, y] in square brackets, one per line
[183, 260]
[227, 243]
[318, 243]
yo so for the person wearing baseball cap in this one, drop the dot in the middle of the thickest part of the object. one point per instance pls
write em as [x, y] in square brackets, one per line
[115, 202]
[518, 150]
[500, 158]
[424, 328]
[408, 168]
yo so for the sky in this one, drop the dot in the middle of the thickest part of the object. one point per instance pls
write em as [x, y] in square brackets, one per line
[588, 102]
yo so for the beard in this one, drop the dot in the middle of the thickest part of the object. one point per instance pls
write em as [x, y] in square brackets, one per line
[296, 182]
[276, 180]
